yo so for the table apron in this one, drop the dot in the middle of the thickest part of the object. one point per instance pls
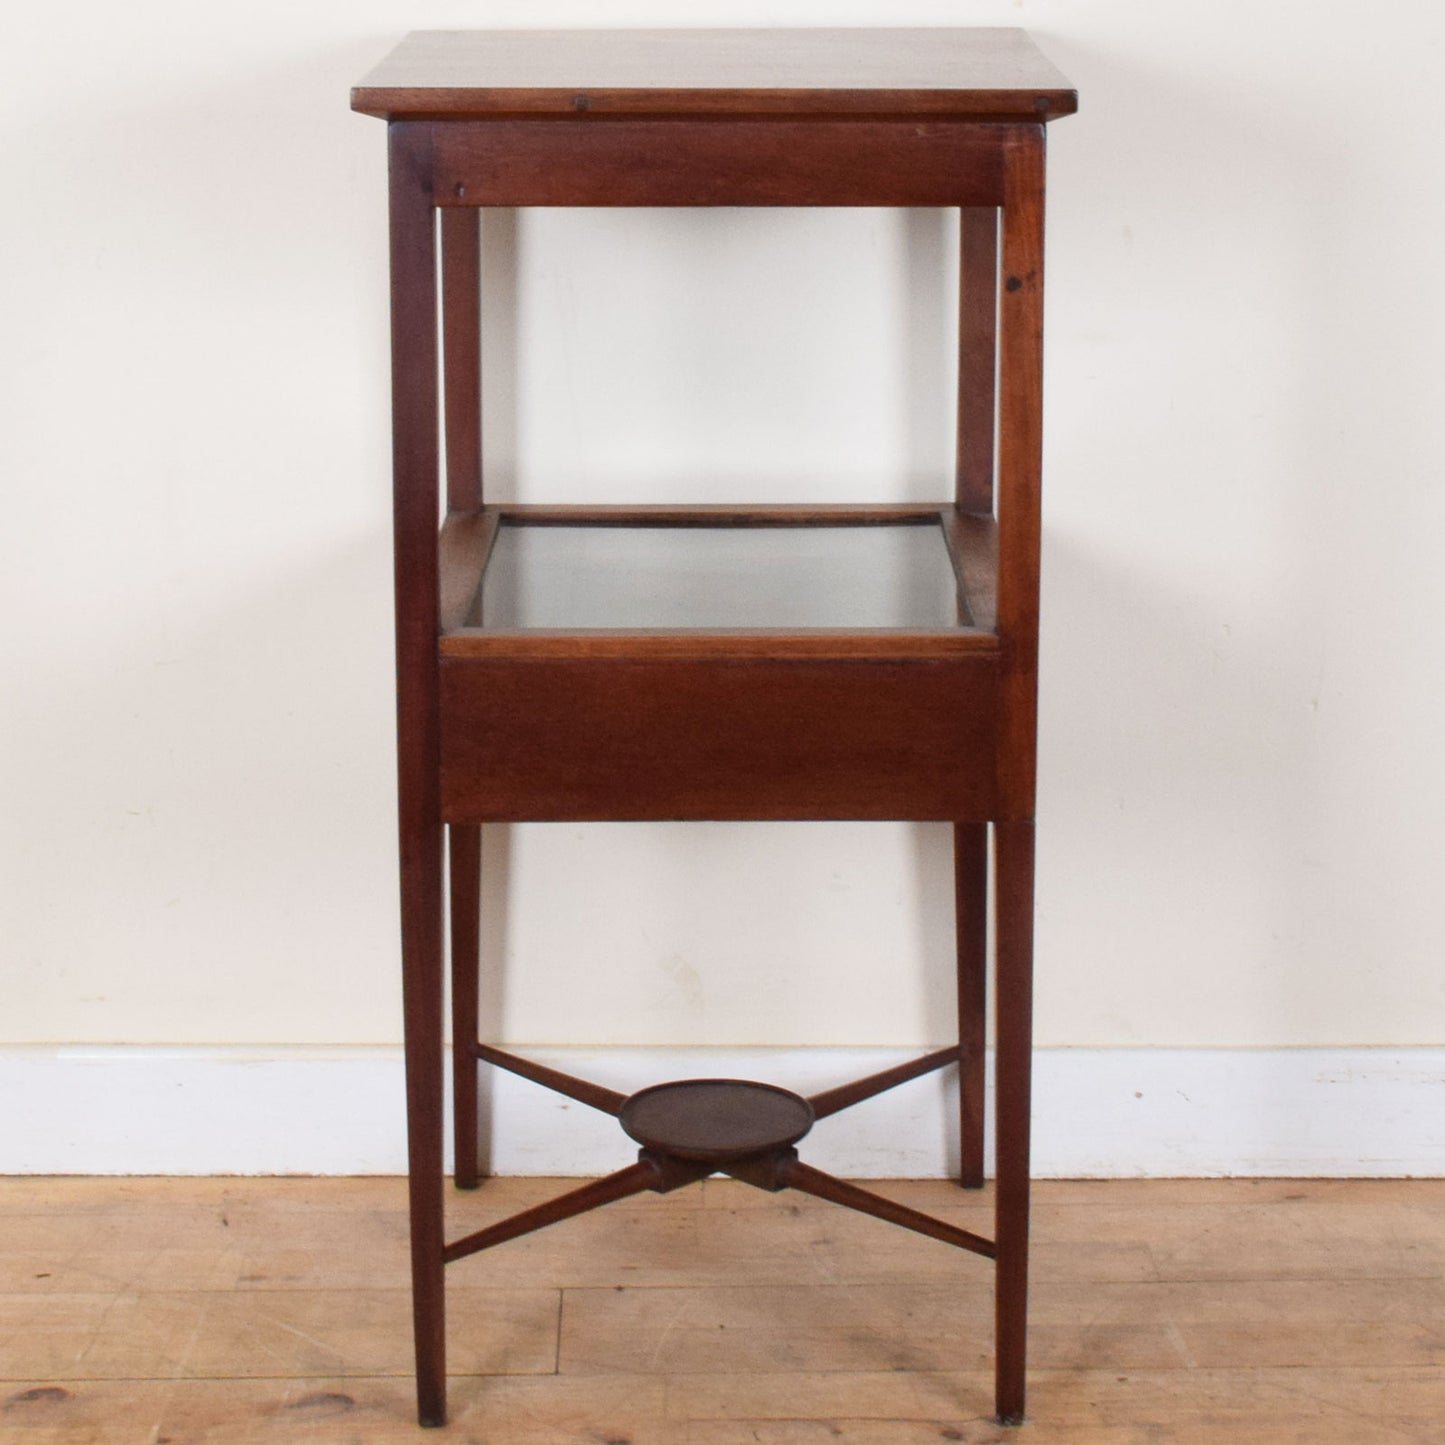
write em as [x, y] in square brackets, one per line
[671, 162]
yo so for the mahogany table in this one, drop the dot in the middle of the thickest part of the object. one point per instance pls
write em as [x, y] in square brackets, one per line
[539, 679]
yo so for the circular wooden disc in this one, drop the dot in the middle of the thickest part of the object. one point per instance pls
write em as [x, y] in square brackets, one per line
[722, 1119]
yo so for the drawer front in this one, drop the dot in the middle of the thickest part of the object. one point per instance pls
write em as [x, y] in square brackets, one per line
[576, 739]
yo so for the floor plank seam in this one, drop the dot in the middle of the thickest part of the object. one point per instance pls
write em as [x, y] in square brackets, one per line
[815, 1372]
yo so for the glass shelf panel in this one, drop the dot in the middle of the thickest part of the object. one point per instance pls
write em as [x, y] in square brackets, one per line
[568, 577]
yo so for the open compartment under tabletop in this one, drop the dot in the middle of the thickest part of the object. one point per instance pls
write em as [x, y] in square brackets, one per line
[651, 580]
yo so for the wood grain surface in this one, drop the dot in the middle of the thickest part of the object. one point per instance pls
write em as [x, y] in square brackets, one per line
[228, 1310]
[907, 725]
[671, 162]
[579, 739]
[979, 73]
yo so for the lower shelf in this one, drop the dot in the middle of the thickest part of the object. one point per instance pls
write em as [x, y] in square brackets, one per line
[717, 1120]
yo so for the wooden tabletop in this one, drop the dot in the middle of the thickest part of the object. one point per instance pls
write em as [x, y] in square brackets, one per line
[988, 74]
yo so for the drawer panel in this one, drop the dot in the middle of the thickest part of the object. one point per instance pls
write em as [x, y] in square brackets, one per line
[575, 739]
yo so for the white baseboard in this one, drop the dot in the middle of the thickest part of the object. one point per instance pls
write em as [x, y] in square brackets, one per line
[1098, 1113]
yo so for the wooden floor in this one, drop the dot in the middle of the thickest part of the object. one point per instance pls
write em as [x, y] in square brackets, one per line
[172, 1311]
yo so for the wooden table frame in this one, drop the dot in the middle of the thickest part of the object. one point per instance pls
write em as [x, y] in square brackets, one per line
[879, 724]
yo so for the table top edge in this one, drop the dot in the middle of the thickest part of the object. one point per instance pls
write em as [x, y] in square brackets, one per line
[981, 73]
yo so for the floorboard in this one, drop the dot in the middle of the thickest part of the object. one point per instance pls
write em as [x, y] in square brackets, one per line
[170, 1311]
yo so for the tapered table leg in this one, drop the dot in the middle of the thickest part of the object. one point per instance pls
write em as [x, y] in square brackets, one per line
[1014, 910]
[970, 875]
[464, 861]
[462, 407]
[977, 394]
[1020, 393]
[414, 460]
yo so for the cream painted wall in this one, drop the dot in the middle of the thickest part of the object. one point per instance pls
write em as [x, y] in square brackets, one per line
[1241, 794]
